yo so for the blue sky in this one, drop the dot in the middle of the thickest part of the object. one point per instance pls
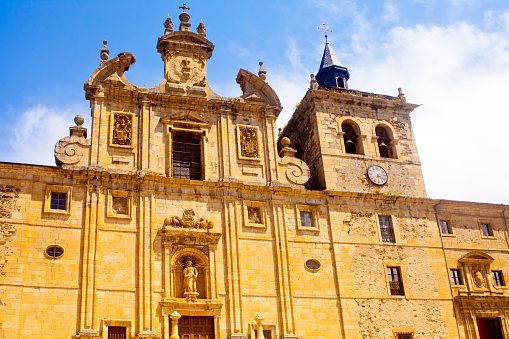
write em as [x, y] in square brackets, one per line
[450, 56]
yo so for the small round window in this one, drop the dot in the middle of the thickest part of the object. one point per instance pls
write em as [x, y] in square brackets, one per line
[313, 265]
[54, 251]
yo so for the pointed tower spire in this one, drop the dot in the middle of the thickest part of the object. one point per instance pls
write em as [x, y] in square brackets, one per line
[331, 73]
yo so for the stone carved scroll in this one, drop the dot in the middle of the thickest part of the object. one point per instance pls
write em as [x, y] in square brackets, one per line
[188, 221]
[248, 142]
[297, 171]
[70, 150]
[122, 129]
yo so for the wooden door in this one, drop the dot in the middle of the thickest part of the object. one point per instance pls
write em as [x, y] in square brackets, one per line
[494, 328]
[196, 327]
[116, 332]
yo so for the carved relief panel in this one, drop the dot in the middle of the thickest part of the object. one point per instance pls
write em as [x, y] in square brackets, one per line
[121, 127]
[188, 70]
[248, 142]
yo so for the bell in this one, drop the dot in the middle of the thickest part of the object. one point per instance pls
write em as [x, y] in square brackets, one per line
[382, 144]
[349, 141]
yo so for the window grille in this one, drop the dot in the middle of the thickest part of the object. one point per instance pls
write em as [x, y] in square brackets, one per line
[306, 219]
[186, 158]
[445, 227]
[498, 278]
[486, 230]
[456, 277]
[58, 201]
[386, 228]
[395, 282]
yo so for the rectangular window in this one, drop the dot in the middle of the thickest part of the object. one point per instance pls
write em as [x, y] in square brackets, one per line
[486, 230]
[445, 227]
[386, 228]
[58, 201]
[498, 278]
[306, 219]
[186, 158]
[395, 282]
[456, 277]
[405, 336]
[117, 332]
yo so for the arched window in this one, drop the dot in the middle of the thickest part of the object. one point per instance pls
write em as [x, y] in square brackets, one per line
[385, 143]
[353, 144]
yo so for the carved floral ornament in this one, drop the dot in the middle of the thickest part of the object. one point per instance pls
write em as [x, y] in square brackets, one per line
[122, 129]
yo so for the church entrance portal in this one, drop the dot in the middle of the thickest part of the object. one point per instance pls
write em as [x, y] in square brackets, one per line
[196, 327]
[489, 328]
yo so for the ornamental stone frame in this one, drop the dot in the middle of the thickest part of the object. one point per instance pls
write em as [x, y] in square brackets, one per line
[177, 243]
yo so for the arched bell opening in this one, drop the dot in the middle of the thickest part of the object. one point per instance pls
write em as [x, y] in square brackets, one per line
[386, 147]
[351, 138]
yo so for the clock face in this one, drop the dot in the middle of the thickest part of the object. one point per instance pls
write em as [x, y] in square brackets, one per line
[377, 175]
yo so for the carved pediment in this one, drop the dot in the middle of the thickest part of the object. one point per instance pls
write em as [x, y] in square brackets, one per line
[187, 121]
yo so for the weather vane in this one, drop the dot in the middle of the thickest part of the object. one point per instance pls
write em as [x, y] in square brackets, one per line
[325, 30]
[184, 8]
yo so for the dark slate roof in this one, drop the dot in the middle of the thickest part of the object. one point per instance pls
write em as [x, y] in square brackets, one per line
[329, 58]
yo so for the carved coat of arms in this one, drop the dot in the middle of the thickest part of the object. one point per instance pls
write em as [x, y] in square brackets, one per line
[188, 221]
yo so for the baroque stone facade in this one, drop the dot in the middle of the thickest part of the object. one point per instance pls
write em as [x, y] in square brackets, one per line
[185, 215]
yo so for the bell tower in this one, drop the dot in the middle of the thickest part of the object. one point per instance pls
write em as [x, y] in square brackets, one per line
[352, 140]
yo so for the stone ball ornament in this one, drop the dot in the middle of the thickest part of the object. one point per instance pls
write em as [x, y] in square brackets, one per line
[79, 120]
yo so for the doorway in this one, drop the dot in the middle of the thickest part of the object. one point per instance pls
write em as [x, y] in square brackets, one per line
[489, 328]
[196, 327]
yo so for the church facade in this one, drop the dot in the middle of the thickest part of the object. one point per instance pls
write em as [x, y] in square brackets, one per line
[184, 214]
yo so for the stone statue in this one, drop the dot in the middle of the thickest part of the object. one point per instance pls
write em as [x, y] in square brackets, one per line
[190, 276]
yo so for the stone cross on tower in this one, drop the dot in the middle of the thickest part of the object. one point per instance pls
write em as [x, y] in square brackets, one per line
[184, 8]
[324, 29]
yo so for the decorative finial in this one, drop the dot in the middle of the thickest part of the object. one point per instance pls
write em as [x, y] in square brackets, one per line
[105, 52]
[78, 120]
[184, 19]
[262, 73]
[401, 95]
[325, 30]
[313, 83]
[168, 25]
[183, 8]
[201, 28]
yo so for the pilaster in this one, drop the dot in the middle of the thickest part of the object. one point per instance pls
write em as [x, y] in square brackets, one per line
[88, 292]
[283, 269]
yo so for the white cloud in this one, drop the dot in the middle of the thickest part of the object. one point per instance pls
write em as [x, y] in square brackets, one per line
[391, 12]
[36, 132]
